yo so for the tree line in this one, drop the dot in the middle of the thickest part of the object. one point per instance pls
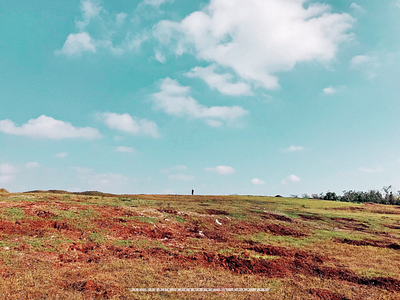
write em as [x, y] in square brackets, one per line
[384, 196]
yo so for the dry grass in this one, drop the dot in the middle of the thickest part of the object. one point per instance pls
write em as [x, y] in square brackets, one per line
[65, 246]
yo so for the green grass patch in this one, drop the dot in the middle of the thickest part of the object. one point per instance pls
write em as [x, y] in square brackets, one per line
[96, 237]
[15, 213]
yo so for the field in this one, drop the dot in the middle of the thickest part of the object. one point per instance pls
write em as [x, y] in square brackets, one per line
[68, 246]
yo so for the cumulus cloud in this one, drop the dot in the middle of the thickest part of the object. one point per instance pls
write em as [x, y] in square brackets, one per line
[156, 3]
[77, 43]
[128, 124]
[61, 155]
[32, 165]
[107, 33]
[366, 64]
[355, 6]
[330, 90]
[257, 181]
[182, 177]
[368, 170]
[222, 82]
[293, 149]
[48, 128]
[257, 39]
[7, 173]
[221, 170]
[291, 178]
[175, 100]
[124, 149]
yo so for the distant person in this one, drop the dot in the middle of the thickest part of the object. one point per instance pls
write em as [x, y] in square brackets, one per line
[192, 192]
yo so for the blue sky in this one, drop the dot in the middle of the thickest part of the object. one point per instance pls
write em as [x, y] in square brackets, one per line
[222, 96]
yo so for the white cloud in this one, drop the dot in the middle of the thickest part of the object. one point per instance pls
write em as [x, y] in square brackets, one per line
[48, 128]
[156, 3]
[120, 18]
[61, 155]
[355, 6]
[258, 39]
[182, 177]
[361, 59]
[174, 99]
[77, 43]
[221, 170]
[366, 64]
[160, 57]
[124, 149]
[132, 125]
[291, 178]
[7, 173]
[32, 165]
[329, 90]
[100, 29]
[221, 82]
[293, 149]
[257, 181]
[367, 170]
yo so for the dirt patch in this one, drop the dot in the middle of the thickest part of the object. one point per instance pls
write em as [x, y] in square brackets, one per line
[168, 211]
[310, 217]
[285, 252]
[217, 212]
[30, 228]
[393, 226]
[326, 295]
[93, 289]
[379, 244]
[352, 224]
[277, 217]
[352, 208]
[285, 231]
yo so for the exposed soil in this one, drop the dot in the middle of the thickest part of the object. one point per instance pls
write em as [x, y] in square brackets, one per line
[380, 244]
[326, 295]
[277, 217]
[285, 231]
[217, 212]
[353, 208]
[393, 226]
[310, 217]
[350, 223]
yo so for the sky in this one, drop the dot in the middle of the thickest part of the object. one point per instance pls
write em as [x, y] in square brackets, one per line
[259, 97]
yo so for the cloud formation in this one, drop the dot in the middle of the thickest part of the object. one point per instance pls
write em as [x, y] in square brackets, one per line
[257, 181]
[175, 100]
[99, 29]
[124, 149]
[293, 149]
[7, 173]
[257, 39]
[330, 90]
[128, 124]
[45, 127]
[222, 170]
[221, 82]
[291, 178]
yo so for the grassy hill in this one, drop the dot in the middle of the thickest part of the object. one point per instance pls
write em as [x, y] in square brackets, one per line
[88, 246]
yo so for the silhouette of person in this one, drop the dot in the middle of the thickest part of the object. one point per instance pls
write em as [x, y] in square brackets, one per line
[192, 192]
